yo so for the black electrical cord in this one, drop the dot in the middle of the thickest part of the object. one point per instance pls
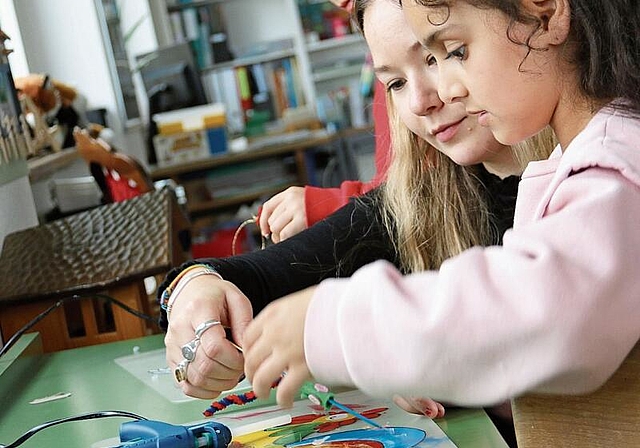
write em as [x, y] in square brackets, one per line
[127, 308]
[43, 314]
[89, 416]
[5, 348]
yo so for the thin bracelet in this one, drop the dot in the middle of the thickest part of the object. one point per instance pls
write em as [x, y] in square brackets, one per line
[183, 282]
[164, 297]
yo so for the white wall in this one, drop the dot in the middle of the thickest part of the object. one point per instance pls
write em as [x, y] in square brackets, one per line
[63, 38]
[248, 22]
[9, 23]
[17, 209]
[143, 40]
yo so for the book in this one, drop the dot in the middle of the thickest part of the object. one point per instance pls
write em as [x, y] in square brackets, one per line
[212, 87]
[262, 97]
[280, 90]
[273, 86]
[290, 90]
[244, 89]
[190, 17]
[235, 115]
[297, 82]
[206, 55]
[176, 26]
[260, 78]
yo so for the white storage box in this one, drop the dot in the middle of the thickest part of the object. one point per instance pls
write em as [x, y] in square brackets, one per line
[77, 193]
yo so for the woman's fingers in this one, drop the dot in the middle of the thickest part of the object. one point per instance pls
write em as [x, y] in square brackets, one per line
[419, 405]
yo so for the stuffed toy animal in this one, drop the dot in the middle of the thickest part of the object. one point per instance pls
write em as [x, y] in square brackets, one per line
[46, 93]
[50, 109]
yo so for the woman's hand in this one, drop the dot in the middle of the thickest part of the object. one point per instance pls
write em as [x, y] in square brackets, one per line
[422, 406]
[284, 214]
[274, 344]
[218, 365]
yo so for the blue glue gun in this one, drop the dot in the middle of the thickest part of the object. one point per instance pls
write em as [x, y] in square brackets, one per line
[155, 434]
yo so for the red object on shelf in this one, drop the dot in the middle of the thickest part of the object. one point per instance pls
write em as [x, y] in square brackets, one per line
[220, 243]
[120, 188]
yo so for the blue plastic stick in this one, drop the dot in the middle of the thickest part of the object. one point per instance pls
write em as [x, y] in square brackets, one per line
[355, 414]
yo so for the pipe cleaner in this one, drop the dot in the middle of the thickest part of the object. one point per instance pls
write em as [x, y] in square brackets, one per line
[238, 399]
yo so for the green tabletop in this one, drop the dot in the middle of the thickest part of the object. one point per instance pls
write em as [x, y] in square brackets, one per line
[98, 383]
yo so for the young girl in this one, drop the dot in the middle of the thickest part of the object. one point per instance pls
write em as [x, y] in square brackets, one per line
[555, 309]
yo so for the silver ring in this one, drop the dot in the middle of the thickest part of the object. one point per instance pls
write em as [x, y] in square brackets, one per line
[189, 349]
[181, 371]
[204, 326]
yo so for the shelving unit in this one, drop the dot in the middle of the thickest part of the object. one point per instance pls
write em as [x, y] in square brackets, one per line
[192, 175]
[193, 4]
[324, 66]
[121, 74]
[243, 156]
[250, 60]
[266, 38]
[335, 42]
[334, 73]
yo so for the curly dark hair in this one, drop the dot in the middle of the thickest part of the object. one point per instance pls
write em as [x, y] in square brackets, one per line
[604, 36]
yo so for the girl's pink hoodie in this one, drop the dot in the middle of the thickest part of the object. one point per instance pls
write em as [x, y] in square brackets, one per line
[556, 309]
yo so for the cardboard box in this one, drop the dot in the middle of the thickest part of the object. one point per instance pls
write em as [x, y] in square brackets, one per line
[188, 146]
[182, 147]
[191, 119]
[190, 134]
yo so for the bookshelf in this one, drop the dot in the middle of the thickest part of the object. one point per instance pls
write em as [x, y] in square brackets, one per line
[226, 181]
[253, 152]
[216, 186]
[336, 72]
[249, 60]
[335, 42]
[316, 38]
[280, 59]
[193, 4]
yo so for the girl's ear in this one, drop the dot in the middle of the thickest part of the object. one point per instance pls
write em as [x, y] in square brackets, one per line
[555, 20]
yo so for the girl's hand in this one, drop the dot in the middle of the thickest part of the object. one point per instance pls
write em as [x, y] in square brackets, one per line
[218, 365]
[284, 215]
[274, 344]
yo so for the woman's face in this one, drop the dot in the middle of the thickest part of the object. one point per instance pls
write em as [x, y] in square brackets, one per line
[400, 63]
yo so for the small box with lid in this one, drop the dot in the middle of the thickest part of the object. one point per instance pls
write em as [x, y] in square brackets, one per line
[190, 134]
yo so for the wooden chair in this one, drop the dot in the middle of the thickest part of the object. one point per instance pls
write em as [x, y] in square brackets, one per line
[607, 417]
[119, 176]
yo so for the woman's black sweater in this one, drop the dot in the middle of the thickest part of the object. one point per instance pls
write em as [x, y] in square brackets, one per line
[337, 246]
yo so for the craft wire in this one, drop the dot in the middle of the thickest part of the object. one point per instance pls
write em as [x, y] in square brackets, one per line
[252, 220]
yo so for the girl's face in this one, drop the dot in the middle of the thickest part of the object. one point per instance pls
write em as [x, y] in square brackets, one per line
[401, 65]
[510, 90]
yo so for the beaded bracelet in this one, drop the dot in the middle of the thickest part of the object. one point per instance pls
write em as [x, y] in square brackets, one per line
[164, 297]
[183, 282]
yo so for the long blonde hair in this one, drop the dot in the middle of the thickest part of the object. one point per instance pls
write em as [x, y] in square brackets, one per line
[433, 207]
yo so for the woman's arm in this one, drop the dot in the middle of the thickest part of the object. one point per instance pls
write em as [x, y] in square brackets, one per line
[335, 247]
